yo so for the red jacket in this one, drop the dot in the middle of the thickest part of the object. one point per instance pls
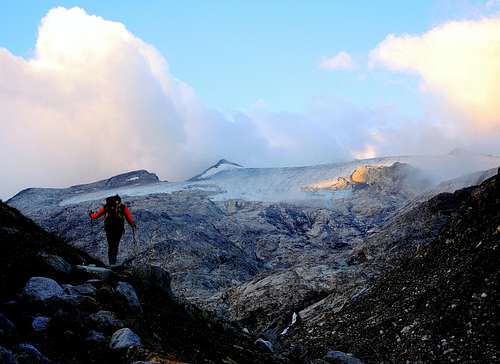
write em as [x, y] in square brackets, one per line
[126, 211]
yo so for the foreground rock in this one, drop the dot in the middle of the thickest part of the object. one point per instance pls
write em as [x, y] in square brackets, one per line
[42, 289]
[338, 357]
[128, 294]
[124, 339]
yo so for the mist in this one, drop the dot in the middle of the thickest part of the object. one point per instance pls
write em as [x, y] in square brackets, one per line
[95, 100]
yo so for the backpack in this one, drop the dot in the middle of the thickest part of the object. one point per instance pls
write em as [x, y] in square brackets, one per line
[114, 210]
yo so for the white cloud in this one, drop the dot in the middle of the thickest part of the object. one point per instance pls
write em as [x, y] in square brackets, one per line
[95, 100]
[458, 62]
[341, 61]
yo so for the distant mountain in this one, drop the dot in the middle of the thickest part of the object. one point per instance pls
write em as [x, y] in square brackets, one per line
[220, 166]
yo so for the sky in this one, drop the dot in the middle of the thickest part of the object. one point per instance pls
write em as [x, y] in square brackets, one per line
[89, 89]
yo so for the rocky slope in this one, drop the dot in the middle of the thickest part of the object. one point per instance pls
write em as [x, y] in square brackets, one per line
[57, 305]
[440, 303]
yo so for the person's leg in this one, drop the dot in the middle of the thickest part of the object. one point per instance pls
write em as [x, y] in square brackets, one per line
[114, 235]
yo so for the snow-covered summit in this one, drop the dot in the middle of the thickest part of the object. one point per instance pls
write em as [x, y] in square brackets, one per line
[220, 166]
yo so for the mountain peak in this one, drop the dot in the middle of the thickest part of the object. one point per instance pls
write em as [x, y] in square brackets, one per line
[220, 166]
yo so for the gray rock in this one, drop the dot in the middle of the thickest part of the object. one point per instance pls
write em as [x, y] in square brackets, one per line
[41, 289]
[40, 323]
[106, 320]
[95, 272]
[264, 344]
[56, 263]
[123, 339]
[96, 337]
[339, 357]
[153, 274]
[85, 289]
[7, 356]
[127, 292]
[28, 354]
[7, 328]
[77, 301]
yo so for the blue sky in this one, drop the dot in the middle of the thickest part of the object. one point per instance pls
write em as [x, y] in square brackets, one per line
[235, 53]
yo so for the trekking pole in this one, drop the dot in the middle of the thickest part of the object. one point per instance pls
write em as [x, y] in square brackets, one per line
[136, 251]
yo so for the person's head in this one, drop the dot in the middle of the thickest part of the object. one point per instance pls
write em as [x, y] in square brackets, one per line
[111, 200]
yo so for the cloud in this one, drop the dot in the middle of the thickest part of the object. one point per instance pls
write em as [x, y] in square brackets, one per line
[341, 61]
[95, 100]
[457, 62]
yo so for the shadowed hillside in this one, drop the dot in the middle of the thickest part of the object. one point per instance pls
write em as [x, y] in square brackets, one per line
[59, 305]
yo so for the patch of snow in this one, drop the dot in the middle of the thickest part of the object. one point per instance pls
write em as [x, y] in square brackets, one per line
[132, 179]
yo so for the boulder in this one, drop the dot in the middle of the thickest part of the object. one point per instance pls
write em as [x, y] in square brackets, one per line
[28, 354]
[76, 301]
[264, 344]
[85, 289]
[40, 323]
[106, 320]
[339, 357]
[7, 356]
[93, 272]
[41, 289]
[125, 291]
[55, 263]
[7, 329]
[153, 274]
[124, 339]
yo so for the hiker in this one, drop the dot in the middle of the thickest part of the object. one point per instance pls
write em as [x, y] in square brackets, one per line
[115, 212]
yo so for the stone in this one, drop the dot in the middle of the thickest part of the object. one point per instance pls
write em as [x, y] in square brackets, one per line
[28, 354]
[7, 356]
[106, 320]
[40, 323]
[124, 339]
[127, 292]
[41, 289]
[264, 344]
[154, 274]
[55, 263]
[77, 301]
[95, 272]
[85, 289]
[339, 357]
